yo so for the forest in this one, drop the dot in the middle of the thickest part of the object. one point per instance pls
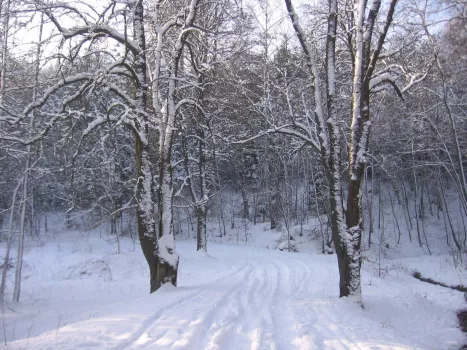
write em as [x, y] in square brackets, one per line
[292, 172]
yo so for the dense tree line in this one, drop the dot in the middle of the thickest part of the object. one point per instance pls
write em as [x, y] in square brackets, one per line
[147, 108]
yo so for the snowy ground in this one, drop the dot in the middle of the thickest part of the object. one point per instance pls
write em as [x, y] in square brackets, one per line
[79, 294]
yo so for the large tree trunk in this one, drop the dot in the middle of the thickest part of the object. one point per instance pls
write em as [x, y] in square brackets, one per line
[167, 256]
[347, 238]
[145, 211]
[145, 190]
[160, 256]
[347, 241]
[159, 248]
[354, 239]
[168, 259]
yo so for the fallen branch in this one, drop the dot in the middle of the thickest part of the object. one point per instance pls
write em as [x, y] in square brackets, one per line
[459, 287]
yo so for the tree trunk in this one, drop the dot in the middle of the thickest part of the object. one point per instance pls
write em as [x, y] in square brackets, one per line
[168, 257]
[145, 211]
[346, 235]
[274, 213]
[8, 247]
[348, 254]
[160, 258]
[201, 208]
[19, 260]
[201, 228]
[246, 207]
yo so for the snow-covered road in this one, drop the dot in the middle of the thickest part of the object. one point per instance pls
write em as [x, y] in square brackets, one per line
[240, 298]
[251, 306]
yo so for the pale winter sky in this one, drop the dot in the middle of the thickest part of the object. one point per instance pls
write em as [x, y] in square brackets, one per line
[24, 41]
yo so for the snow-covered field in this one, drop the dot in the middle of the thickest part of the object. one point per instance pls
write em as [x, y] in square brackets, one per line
[78, 293]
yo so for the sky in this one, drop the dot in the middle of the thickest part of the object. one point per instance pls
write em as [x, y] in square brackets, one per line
[23, 42]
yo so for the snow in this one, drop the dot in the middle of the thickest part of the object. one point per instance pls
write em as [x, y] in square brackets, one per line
[167, 250]
[439, 268]
[79, 294]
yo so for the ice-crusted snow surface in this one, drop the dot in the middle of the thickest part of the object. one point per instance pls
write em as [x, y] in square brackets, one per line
[79, 294]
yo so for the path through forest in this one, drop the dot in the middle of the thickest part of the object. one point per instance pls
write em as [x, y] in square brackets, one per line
[246, 298]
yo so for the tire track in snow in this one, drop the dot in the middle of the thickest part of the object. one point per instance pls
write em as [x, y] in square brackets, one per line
[247, 323]
[304, 276]
[267, 314]
[208, 302]
[265, 335]
[293, 278]
[153, 319]
[218, 322]
[269, 322]
[255, 311]
[261, 333]
[310, 332]
[280, 311]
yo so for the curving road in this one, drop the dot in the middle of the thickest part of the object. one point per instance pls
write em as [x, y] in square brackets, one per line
[243, 298]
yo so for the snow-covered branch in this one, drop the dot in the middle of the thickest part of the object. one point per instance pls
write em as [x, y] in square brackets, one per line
[284, 129]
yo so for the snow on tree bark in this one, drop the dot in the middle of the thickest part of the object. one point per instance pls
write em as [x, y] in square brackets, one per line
[346, 225]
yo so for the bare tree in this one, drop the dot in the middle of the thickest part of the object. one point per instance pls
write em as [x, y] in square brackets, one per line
[364, 40]
[149, 62]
